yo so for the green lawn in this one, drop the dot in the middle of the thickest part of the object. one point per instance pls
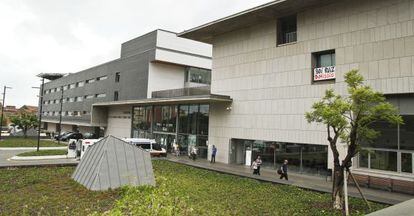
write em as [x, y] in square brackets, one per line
[181, 190]
[49, 191]
[44, 153]
[28, 142]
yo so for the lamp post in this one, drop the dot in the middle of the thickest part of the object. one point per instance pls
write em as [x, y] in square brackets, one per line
[60, 113]
[2, 108]
[39, 127]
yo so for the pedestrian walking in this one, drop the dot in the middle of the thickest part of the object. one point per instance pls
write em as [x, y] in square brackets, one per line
[283, 170]
[259, 163]
[254, 166]
[213, 154]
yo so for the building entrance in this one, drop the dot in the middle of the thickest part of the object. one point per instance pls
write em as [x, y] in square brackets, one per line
[165, 140]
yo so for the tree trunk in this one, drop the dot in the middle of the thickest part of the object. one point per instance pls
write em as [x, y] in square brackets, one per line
[338, 188]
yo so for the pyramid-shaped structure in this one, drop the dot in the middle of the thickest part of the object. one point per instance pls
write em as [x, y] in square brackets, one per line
[112, 163]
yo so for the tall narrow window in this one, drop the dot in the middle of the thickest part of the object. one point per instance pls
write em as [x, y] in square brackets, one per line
[287, 27]
[116, 95]
[324, 65]
[117, 76]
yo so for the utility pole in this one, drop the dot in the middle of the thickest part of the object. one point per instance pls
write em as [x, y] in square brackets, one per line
[60, 114]
[2, 109]
[40, 114]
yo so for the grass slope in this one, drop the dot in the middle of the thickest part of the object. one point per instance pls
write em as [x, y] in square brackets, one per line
[43, 153]
[183, 190]
[49, 191]
[28, 142]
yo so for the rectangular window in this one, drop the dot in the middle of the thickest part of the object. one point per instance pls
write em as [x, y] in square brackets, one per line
[116, 95]
[73, 85]
[65, 87]
[198, 75]
[117, 76]
[287, 27]
[80, 84]
[101, 78]
[384, 160]
[100, 95]
[89, 96]
[89, 81]
[407, 133]
[323, 65]
[407, 162]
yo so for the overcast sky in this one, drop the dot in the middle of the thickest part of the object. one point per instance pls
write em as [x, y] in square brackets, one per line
[66, 36]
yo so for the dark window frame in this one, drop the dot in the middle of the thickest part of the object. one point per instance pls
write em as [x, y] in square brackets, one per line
[287, 27]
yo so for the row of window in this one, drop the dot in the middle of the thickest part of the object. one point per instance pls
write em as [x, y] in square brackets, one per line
[81, 83]
[66, 113]
[75, 99]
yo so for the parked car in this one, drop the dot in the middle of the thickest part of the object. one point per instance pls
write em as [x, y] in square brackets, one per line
[63, 133]
[73, 135]
[149, 145]
[90, 136]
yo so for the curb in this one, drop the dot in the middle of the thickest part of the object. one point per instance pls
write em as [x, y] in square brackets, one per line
[49, 157]
[31, 148]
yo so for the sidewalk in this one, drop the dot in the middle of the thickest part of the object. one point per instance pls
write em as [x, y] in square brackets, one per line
[303, 181]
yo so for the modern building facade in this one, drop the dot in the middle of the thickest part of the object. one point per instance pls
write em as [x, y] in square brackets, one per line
[277, 59]
[148, 64]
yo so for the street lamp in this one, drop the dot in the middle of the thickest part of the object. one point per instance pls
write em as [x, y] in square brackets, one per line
[2, 108]
[60, 113]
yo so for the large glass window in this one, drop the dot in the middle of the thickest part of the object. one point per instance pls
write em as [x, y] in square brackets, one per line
[192, 119]
[198, 75]
[407, 162]
[183, 119]
[384, 160]
[142, 118]
[203, 119]
[165, 118]
[302, 157]
[407, 133]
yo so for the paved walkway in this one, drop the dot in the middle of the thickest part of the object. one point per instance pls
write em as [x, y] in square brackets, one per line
[315, 183]
[5, 161]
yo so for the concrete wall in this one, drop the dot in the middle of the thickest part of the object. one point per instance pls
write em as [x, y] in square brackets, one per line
[165, 76]
[271, 85]
[119, 121]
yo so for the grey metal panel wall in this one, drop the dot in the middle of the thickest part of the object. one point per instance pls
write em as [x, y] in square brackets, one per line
[140, 44]
[112, 163]
[133, 84]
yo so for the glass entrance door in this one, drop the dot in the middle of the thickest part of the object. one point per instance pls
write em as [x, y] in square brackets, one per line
[165, 140]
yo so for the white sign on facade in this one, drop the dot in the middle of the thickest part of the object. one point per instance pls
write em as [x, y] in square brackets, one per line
[248, 157]
[324, 73]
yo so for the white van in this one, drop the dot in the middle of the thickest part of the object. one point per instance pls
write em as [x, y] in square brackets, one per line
[84, 144]
[149, 145]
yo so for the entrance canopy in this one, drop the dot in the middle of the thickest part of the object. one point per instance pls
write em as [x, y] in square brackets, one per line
[100, 110]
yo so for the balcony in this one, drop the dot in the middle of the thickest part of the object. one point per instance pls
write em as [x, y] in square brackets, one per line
[182, 92]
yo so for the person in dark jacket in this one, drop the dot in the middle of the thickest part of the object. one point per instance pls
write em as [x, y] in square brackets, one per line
[284, 170]
[213, 154]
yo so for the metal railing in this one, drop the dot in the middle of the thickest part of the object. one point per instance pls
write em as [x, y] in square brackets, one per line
[172, 93]
[288, 37]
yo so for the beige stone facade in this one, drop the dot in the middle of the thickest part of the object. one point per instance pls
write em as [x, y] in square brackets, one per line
[271, 86]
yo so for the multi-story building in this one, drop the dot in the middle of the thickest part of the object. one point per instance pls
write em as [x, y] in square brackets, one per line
[269, 65]
[277, 59]
[148, 64]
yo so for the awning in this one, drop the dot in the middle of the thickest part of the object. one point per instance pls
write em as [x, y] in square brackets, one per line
[212, 98]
